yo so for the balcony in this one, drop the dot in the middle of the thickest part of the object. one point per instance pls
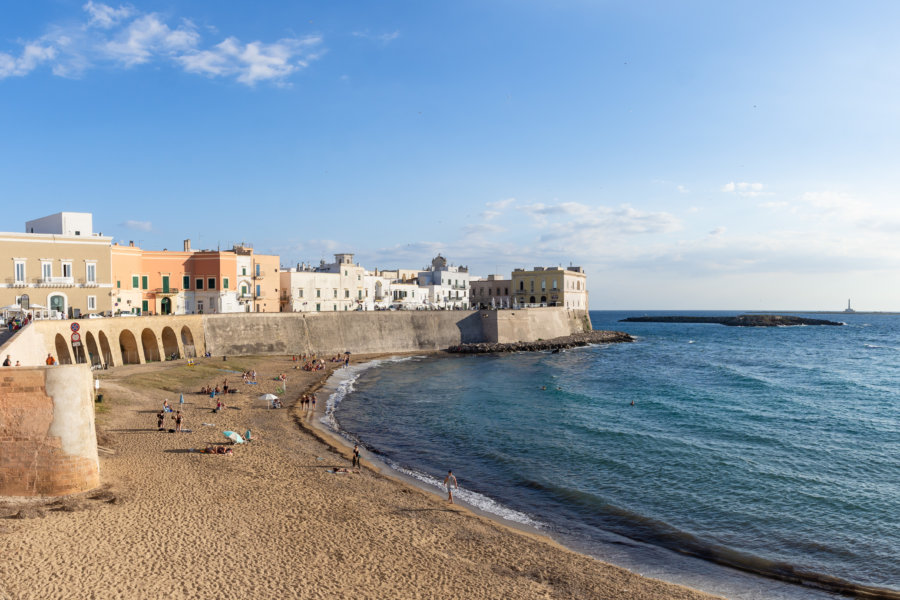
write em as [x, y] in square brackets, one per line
[56, 282]
[259, 274]
[166, 292]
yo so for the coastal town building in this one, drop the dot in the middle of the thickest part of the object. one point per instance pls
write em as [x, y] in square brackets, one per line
[189, 281]
[490, 292]
[58, 268]
[550, 286]
[447, 285]
[330, 287]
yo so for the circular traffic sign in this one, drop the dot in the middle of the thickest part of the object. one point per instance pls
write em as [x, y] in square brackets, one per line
[76, 337]
[74, 326]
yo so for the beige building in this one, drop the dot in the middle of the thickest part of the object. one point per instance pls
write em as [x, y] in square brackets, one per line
[490, 292]
[550, 286]
[62, 266]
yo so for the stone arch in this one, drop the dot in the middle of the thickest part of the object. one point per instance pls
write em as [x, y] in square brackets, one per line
[150, 345]
[531, 300]
[62, 351]
[543, 299]
[105, 351]
[170, 343]
[129, 347]
[93, 352]
[187, 341]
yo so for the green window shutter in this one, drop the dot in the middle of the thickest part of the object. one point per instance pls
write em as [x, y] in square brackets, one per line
[144, 279]
[224, 283]
[134, 282]
[186, 282]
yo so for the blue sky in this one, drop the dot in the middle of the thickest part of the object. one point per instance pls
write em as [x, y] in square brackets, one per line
[690, 155]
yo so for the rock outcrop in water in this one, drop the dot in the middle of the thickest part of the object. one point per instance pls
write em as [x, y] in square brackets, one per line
[738, 321]
[560, 343]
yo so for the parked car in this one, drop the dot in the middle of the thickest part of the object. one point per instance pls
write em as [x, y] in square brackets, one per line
[94, 316]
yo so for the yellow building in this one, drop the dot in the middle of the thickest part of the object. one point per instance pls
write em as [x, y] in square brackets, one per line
[60, 264]
[550, 286]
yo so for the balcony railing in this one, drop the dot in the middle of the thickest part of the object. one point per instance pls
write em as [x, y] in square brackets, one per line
[259, 274]
[166, 292]
[56, 281]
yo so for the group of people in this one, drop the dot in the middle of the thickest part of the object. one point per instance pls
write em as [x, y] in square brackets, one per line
[314, 365]
[248, 376]
[18, 322]
[307, 401]
[161, 418]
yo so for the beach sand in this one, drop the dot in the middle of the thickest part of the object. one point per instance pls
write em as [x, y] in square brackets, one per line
[270, 521]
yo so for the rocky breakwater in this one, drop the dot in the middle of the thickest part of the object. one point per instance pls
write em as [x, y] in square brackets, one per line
[559, 343]
[738, 321]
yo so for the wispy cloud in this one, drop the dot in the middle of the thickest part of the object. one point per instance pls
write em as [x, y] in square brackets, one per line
[124, 37]
[384, 38]
[138, 225]
[744, 188]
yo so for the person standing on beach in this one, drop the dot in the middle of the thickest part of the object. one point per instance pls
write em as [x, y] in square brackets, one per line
[356, 456]
[8, 361]
[160, 419]
[450, 482]
[178, 420]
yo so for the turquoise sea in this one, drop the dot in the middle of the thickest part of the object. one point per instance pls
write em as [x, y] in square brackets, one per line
[774, 451]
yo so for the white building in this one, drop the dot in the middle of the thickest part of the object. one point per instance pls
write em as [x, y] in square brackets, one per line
[337, 286]
[63, 223]
[448, 286]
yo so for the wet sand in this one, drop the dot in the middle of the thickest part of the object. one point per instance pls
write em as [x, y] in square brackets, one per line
[270, 521]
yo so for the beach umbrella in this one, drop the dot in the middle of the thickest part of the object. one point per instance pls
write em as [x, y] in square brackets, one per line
[268, 397]
[181, 398]
[233, 436]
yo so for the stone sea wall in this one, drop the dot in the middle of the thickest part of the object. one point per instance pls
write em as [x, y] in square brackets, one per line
[47, 442]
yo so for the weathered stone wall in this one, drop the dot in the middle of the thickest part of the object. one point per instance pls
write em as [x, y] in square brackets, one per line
[133, 340]
[48, 446]
[332, 333]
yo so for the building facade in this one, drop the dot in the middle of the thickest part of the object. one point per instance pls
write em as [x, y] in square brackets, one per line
[448, 286]
[330, 287]
[490, 292]
[550, 286]
[63, 266]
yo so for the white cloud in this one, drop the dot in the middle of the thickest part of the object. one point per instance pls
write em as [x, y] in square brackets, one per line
[745, 189]
[384, 38]
[682, 189]
[138, 225]
[126, 37]
[105, 16]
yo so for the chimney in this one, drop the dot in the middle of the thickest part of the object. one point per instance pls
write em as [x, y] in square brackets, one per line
[187, 245]
[131, 243]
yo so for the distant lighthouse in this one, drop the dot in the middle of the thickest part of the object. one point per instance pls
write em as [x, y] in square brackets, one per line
[848, 309]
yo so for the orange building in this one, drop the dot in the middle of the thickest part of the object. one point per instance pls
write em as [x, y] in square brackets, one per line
[193, 282]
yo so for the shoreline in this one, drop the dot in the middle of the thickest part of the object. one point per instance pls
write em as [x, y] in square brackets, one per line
[664, 564]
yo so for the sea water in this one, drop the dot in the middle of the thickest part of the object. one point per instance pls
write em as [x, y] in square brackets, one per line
[772, 450]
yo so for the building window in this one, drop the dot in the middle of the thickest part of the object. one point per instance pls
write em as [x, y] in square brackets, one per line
[334, 307]
[257, 290]
[145, 306]
[210, 283]
[20, 271]
[92, 302]
[335, 293]
[91, 272]
[300, 293]
[144, 282]
[244, 290]
[359, 293]
[243, 270]
[198, 283]
[318, 294]
[224, 283]
[521, 286]
[554, 284]
[134, 282]
[46, 270]
[67, 269]
[119, 283]
[257, 270]
[346, 293]
[543, 285]
[318, 307]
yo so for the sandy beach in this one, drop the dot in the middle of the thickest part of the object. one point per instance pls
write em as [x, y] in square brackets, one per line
[270, 521]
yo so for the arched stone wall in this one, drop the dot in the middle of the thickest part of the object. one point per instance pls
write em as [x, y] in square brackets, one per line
[129, 347]
[187, 341]
[63, 356]
[105, 350]
[93, 353]
[150, 345]
[170, 343]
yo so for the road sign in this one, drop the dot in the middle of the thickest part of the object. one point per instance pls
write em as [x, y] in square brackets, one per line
[76, 344]
[74, 327]
[76, 337]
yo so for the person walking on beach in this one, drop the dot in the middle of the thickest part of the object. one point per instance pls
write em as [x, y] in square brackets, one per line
[450, 482]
